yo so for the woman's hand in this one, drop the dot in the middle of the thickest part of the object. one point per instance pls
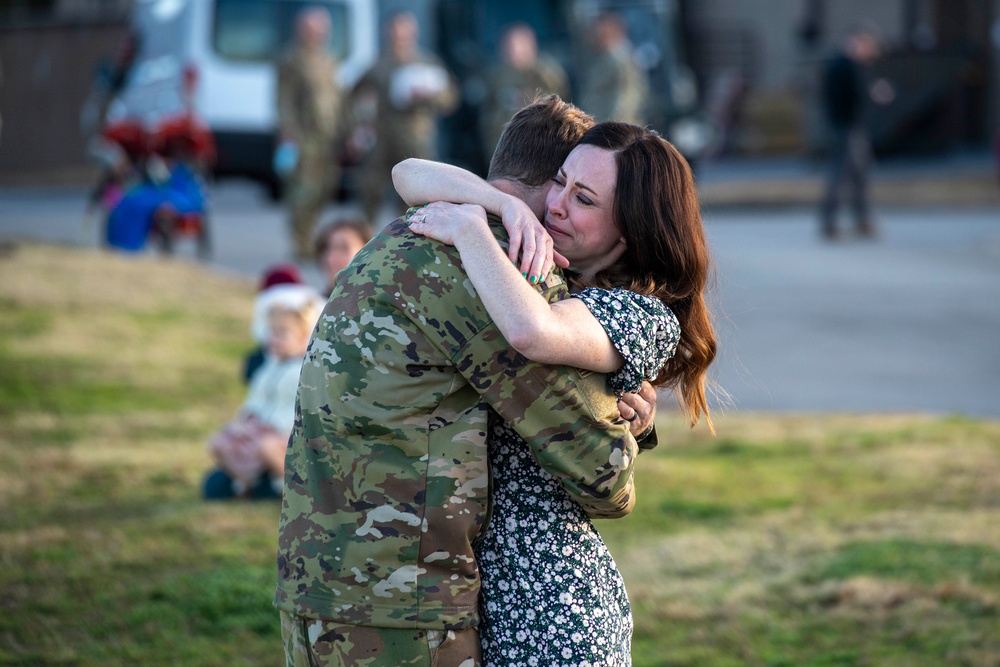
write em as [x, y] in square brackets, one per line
[531, 249]
[446, 222]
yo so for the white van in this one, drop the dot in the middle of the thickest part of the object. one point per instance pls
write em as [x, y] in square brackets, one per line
[222, 53]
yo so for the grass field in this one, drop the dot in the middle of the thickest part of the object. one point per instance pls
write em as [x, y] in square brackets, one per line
[784, 541]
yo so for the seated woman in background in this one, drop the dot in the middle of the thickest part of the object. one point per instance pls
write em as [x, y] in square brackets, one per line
[336, 244]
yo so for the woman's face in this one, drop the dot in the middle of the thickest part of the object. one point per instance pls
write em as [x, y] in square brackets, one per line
[341, 246]
[579, 210]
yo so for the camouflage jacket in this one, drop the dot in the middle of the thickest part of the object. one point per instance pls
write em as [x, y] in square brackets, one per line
[406, 129]
[386, 475]
[309, 98]
[615, 87]
[508, 89]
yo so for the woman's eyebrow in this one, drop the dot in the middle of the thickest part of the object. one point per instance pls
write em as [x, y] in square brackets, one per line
[562, 172]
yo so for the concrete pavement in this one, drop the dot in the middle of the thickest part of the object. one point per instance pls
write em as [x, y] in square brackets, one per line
[960, 179]
[906, 323]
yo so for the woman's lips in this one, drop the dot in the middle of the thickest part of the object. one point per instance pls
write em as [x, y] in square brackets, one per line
[554, 231]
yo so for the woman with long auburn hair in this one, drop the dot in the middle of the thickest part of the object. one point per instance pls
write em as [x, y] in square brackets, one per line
[656, 210]
[622, 217]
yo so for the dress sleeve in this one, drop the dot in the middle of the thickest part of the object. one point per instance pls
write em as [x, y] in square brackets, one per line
[642, 328]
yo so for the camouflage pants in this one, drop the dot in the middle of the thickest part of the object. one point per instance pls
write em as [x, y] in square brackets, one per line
[309, 188]
[313, 643]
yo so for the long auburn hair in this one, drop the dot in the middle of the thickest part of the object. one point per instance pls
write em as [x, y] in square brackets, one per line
[656, 210]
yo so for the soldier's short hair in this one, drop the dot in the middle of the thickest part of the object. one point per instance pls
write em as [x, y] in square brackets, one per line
[536, 141]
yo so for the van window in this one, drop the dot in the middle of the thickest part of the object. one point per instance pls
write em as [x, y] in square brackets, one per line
[261, 30]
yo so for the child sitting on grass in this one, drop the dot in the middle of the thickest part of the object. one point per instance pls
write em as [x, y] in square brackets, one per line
[250, 450]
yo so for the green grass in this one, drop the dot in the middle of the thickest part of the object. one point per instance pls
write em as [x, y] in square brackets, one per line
[785, 541]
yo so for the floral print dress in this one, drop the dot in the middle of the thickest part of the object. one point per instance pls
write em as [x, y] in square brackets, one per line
[552, 595]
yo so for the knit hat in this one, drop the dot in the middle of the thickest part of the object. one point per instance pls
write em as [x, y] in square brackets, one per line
[281, 274]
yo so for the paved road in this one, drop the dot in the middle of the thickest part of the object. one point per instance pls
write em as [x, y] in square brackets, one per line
[910, 323]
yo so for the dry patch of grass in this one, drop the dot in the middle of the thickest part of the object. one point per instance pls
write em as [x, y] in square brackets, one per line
[115, 371]
[785, 541]
[814, 540]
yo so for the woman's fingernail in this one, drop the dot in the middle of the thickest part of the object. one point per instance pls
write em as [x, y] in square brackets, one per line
[534, 279]
[524, 273]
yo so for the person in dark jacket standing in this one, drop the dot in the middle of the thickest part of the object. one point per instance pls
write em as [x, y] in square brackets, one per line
[844, 100]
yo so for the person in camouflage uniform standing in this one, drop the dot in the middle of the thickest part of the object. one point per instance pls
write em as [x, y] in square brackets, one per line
[386, 475]
[522, 74]
[615, 88]
[309, 115]
[410, 89]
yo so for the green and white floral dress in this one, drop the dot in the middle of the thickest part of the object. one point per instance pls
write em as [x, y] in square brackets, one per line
[552, 595]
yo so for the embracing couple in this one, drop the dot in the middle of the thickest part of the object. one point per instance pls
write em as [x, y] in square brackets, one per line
[466, 406]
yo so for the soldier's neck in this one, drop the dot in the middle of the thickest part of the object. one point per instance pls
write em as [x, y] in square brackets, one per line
[534, 197]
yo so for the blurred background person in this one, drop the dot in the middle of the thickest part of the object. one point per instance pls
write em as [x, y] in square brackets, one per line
[249, 451]
[521, 74]
[614, 86]
[281, 282]
[845, 95]
[411, 89]
[336, 244]
[309, 120]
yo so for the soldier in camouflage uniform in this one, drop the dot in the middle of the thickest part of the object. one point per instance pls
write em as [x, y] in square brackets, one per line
[615, 88]
[386, 475]
[309, 115]
[411, 89]
[519, 78]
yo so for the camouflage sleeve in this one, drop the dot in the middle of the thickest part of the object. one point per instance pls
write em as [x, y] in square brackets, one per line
[567, 417]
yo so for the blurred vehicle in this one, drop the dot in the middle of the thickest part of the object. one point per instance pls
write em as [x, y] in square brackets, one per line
[217, 57]
[470, 32]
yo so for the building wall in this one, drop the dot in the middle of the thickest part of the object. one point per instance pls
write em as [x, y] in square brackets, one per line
[762, 40]
[47, 76]
[773, 27]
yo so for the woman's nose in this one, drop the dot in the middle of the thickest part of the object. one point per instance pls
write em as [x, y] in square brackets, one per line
[557, 206]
